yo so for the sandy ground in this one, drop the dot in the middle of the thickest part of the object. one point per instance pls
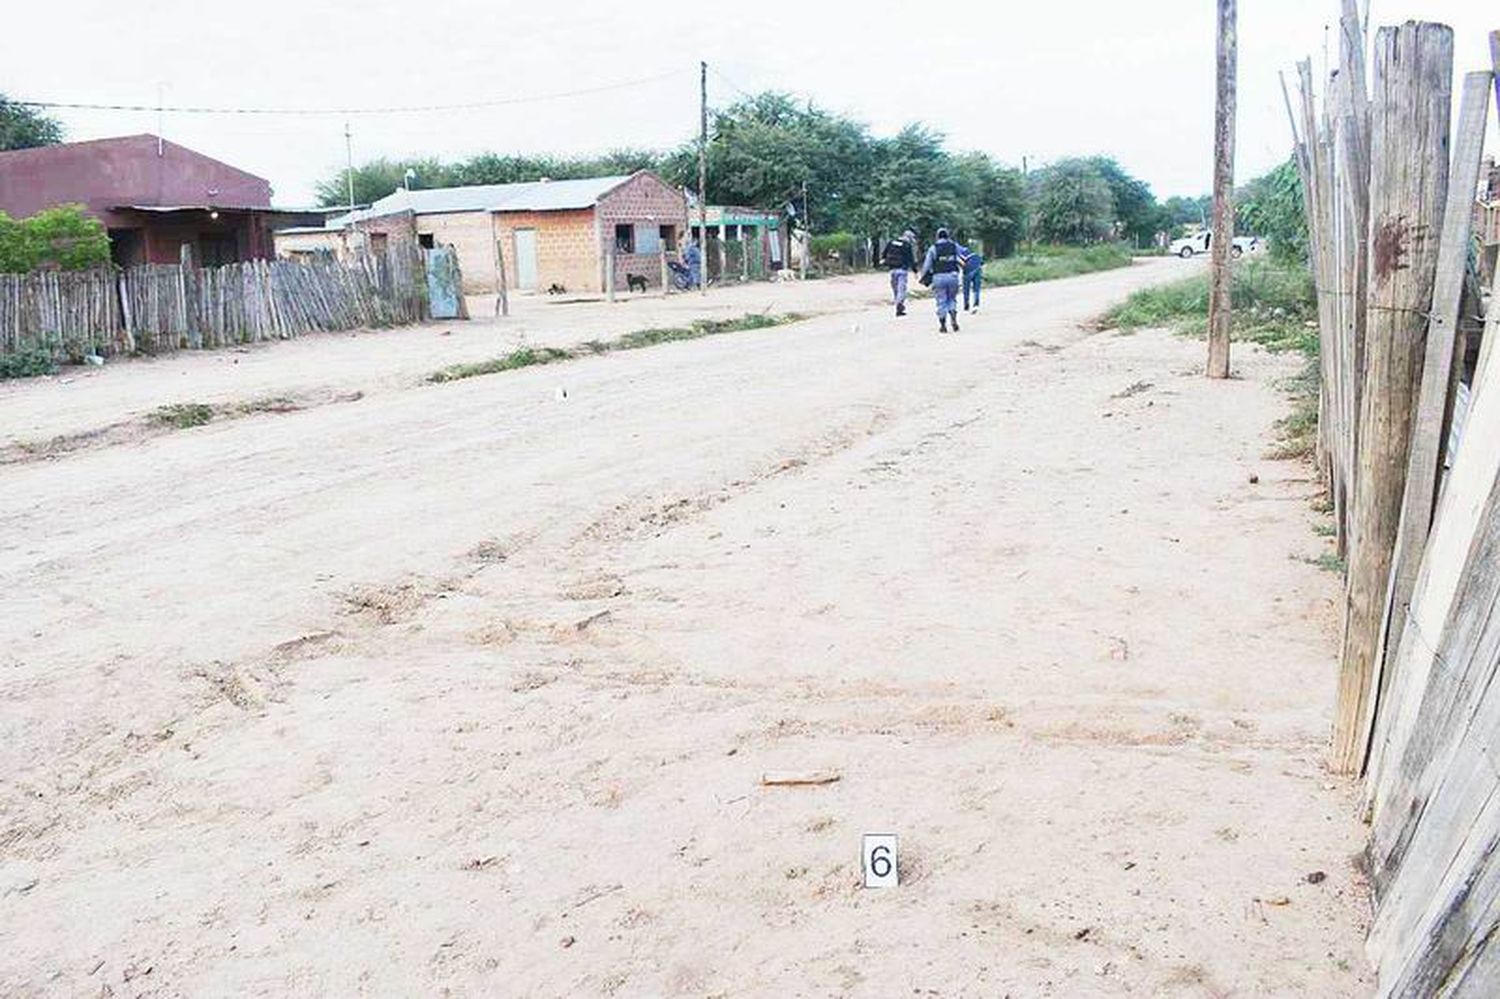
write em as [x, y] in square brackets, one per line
[467, 689]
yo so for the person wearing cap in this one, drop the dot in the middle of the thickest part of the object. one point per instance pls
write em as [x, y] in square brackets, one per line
[900, 260]
[941, 266]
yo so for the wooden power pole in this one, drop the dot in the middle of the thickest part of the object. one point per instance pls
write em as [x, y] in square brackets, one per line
[1223, 229]
[703, 178]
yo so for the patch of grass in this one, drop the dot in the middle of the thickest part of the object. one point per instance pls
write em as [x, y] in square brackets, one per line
[1274, 307]
[268, 404]
[525, 357]
[28, 362]
[1324, 530]
[1328, 562]
[701, 328]
[1299, 428]
[1046, 263]
[181, 415]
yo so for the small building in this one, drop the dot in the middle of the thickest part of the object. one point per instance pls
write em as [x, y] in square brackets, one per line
[745, 242]
[153, 196]
[550, 234]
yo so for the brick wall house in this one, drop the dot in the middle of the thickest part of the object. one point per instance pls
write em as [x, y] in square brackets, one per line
[153, 197]
[566, 248]
[550, 233]
[639, 218]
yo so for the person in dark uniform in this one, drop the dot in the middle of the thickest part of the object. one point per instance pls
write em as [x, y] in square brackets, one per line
[973, 262]
[942, 265]
[900, 260]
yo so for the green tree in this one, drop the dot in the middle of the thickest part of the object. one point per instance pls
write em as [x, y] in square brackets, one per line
[763, 149]
[914, 183]
[1072, 203]
[1271, 206]
[1136, 211]
[1180, 212]
[490, 168]
[59, 238]
[993, 203]
[377, 178]
[24, 128]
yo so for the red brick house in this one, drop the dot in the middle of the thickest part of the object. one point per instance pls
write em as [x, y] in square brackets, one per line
[556, 232]
[152, 195]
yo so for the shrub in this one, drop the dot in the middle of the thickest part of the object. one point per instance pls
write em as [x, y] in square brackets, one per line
[182, 415]
[62, 237]
[1044, 263]
[28, 362]
[841, 243]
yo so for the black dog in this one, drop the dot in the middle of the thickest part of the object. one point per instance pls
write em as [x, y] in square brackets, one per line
[635, 282]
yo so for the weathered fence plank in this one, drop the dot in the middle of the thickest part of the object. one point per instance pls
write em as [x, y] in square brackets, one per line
[163, 307]
[1426, 441]
[1408, 187]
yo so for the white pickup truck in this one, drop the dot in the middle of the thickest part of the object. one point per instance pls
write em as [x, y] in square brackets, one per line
[1187, 246]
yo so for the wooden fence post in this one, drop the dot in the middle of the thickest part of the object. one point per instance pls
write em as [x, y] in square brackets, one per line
[1426, 446]
[184, 270]
[1223, 229]
[1350, 189]
[502, 296]
[1408, 185]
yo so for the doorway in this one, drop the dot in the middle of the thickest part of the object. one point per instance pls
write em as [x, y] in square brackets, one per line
[526, 259]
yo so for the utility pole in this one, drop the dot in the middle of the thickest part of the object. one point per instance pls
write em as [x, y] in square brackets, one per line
[806, 233]
[349, 163]
[1223, 232]
[703, 178]
[1025, 199]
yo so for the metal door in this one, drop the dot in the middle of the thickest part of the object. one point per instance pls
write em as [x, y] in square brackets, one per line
[445, 295]
[526, 259]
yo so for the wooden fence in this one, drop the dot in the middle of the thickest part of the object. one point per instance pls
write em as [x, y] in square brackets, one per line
[1409, 445]
[163, 307]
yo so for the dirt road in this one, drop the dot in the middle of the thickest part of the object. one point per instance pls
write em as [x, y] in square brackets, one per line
[467, 689]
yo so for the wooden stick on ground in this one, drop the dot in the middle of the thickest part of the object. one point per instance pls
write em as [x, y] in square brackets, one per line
[794, 778]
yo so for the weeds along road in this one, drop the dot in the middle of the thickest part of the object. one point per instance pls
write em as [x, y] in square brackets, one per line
[469, 687]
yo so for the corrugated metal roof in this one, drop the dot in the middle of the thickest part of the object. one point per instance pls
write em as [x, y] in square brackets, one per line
[532, 196]
[262, 209]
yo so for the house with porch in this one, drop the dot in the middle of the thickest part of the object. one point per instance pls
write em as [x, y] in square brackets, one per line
[153, 196]
[542, 234]
[741, 242]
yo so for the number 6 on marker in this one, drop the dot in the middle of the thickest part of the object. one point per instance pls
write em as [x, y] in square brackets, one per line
[878, 858]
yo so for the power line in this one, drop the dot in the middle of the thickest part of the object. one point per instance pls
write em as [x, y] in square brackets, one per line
[798, 94]
[412, 109]
[732, 85]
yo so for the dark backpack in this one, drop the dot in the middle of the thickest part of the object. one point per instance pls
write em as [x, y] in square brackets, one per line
[895, 255]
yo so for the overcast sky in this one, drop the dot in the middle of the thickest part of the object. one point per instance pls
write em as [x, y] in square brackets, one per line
[1039, 78]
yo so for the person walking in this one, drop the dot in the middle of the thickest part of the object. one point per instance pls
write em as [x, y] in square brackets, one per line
[900, 261]
[692, 256]
[941, 268]
[973, 262]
